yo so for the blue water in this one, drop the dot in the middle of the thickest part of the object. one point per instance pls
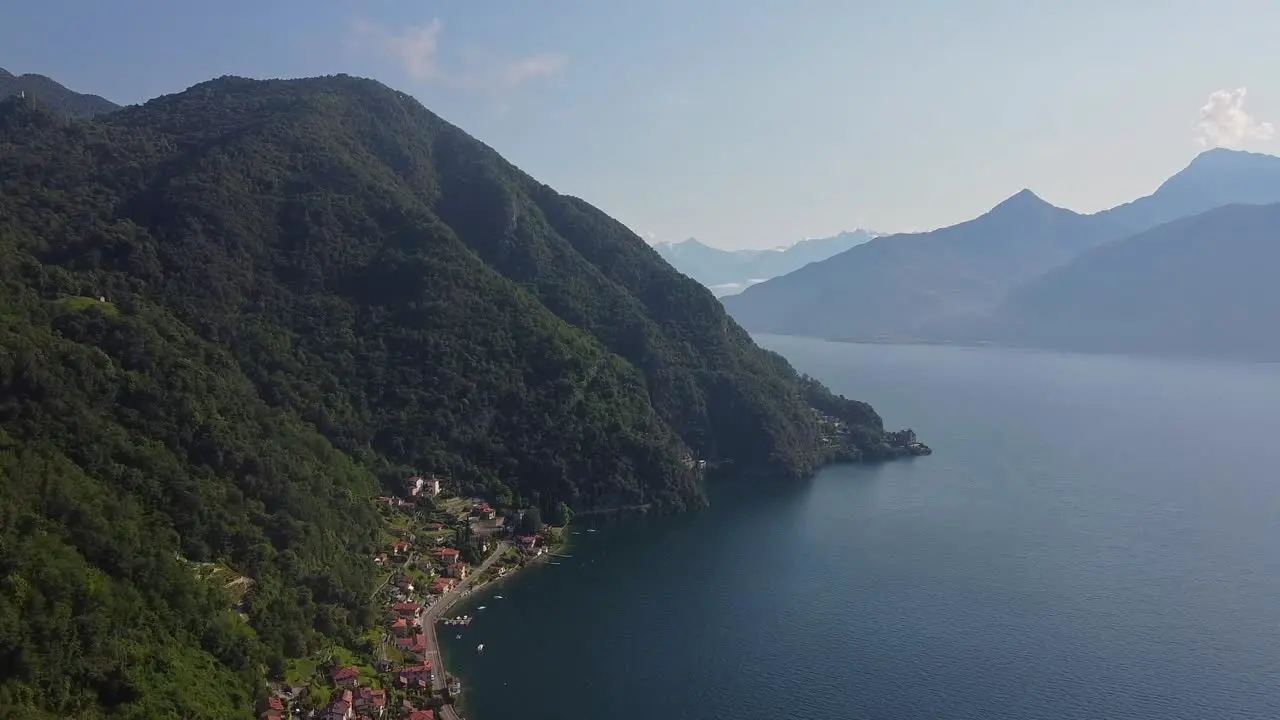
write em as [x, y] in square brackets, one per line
[1094, 537]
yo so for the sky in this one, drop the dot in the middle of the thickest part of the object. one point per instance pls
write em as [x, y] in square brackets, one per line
[751, 123]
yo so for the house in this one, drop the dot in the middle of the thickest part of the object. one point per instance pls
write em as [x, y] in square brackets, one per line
[381, 558]
[528, 542]
[413, 645]
[485, 512]
[432, 486]
[399, 547]
[407, 610]
[421, 715]
[414, 676]
[272, 708]
[404, 582]
[500, 569]
[347, 676]
[448, 555]
[457, 570]
[401, 627]
[441, 586]
[413, 485]
[340, 708]
[371, 702]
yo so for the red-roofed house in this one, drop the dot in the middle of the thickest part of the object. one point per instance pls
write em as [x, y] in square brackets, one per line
[421, 715]
[528, 541]
[371, 702]
[415, 646]
[485, 512]
[401, 627]
[407, 610]
[340, 708]
[349, 675]
[457, 570]
[415, 676]
[448, 555]
[271, 708]
[441, 586]
[399, 547]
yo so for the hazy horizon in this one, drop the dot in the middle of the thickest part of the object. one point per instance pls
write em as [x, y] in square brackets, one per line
[744, 127]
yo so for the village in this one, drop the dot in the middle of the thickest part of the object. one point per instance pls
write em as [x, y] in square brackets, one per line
[439, 548]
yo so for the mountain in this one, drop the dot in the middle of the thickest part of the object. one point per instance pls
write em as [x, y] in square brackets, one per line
[1214, 178]
[231, 317]
[729, 271]
[1200, 286]
[929, 286]
[893, 285]
[54, 95]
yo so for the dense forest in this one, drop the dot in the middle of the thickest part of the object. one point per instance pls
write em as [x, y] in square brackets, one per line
[232, 316]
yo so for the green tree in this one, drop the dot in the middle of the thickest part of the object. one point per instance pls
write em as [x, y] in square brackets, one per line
[531, 521]
[561, 514]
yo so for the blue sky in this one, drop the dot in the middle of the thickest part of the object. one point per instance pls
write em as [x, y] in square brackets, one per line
[749, 123]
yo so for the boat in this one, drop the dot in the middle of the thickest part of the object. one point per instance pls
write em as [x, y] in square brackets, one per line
[457, 637]
[497, 597]
[480, 647]
[481, 607]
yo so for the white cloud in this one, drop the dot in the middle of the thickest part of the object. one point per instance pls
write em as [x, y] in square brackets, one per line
[1225, 123]
[416, 50]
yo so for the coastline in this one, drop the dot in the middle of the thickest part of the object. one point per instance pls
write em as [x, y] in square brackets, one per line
[450, 709]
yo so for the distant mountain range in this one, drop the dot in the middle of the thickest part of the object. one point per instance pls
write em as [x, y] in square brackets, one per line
[56, 96]
[729, 271]
[1200, 286]
[1017, 274]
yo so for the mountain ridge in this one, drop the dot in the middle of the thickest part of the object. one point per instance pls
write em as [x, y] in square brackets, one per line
[47, 90]
[233, 316]
[1200, 286]
[933, 284]
[728, 271]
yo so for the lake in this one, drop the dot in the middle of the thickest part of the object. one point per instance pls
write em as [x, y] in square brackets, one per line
[1094, 537]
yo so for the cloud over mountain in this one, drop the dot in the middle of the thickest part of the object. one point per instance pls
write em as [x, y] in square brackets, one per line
[416, 50]
[1225, 123]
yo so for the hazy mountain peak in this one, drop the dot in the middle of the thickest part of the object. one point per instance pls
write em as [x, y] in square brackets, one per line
[1223, 176]
[1219, 160]
[1022, 204]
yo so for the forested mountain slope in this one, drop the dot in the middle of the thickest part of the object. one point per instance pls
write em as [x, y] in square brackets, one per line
[228, 316]
[49, 92]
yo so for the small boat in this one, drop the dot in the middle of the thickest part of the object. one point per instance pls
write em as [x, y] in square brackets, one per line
[457, 637]
[481, 607]
[497, 597]
[480, 647]
[591, 529]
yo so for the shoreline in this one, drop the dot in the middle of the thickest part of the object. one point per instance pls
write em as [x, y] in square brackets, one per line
[449, 709]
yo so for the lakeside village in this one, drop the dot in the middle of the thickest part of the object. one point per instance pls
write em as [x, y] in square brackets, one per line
[438, 549]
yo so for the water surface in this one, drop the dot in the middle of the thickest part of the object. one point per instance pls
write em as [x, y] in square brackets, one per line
[1095, 537]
